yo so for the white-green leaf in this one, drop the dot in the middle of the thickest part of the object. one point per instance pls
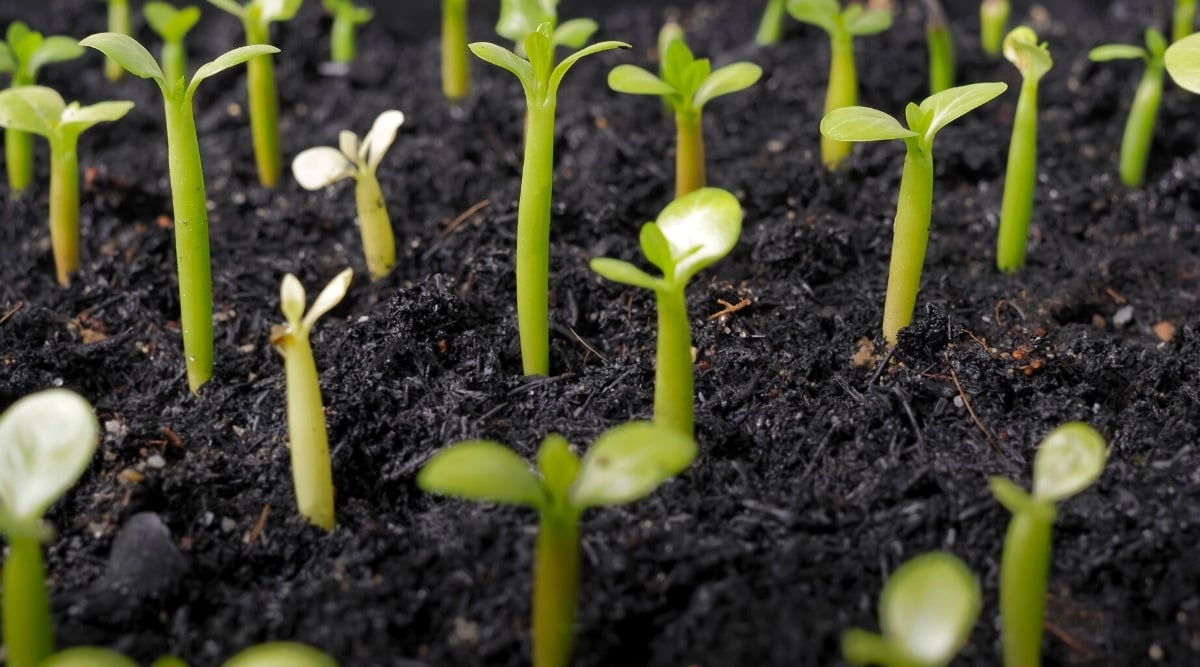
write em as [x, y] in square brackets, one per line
[87, 656]
[482, 470]
[1183, 62]
[279, 10]
[1021, 48]
[128, 53]
[869, 22]
[226, 60]
[561, 70]
[504, 59]
[1109, 52]
[329, 297]
[726, 80]
[941, 109]
[701, 228]
[634, 80]
[574, 33]
[35, 109]
[624, 273]
[1068, 460]
[379, 138]
[825, 14]
[928, 607]
[281, 654]
[46, 441]
[320, 167]
[348, 145]
[628, 462]
[54, 49]
[81, 118]
[292, 299]
[862, 124]
[229, 6]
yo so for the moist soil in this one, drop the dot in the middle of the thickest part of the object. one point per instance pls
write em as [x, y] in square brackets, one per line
[823, 463]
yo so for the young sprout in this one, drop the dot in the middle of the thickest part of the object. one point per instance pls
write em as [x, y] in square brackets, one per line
[915, 202]
[257, 17]
[519, 18]
[690, 234]
[22, 54]
[770, 29]
[1182, 60]
[993, 20]
[456, 70]
[118, 21]
[686, 85]
[347, 16]
[312, 474]
[1033, 60]
[187, 187]
[46, 441]
[626, 463]
[843, 27]
[42, 111]
[172, 25]
[1185, 19]
[320, 167]
[1068, 460]
[941, 47]
[540, 77]
[1143, 113]
[926, 610]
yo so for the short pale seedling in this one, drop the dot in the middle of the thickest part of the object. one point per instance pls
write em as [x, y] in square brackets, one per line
[456, 68]
[312, 473]
[690, 234]
[1182, 60]
[914, 205]
[687, 84]
[322, 166]
[625, 463]
[993, 21]
[1068, 460]
[343, 36]
[1143, 112]
[940, 43]
[46, 442]
[172, 25]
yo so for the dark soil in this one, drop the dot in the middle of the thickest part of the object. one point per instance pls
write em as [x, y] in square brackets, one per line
[817, 475]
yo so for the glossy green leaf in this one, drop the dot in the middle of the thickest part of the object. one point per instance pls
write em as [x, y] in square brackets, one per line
[230, 6]
[23, 41]
[675, 61]
[628, 462]
[46, 442]
[558, 465]
[101, 112]
[87, 656]
[929, 606]
[726, 80]
[54, 49]
[634, 80]
[128, 53]
[575, 33]
[701, 227]
[1183, 62]
[624, 273]
[170, 23]
[825, 14]
[1068, 460]
[227, 60]
[482, 470]
[281, 654]
[504, 59]
[862, 124]
[35, 109]
[16, 33]
[1022, 49]
[941, 109]
[1109, 52]
[870, 22]
[561, 70]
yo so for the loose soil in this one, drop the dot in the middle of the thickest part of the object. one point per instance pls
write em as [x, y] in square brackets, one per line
[822, 467]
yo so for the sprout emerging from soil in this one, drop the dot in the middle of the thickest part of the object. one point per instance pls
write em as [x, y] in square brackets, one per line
[540, 77]
[1182, 60]
[1143, 113]
[690, 234]
[993, 20]
[686, 85]
[187, 187]
[312, 474]
[843, 27]
[1033, 60]
[915, 202]
[257, 17]
[320, 167]
[941, 47]
[347, 16]
[770, 29]
[1184, 21]
[46, 441]
[22, 54]
[120, 21]
[274, 654]
[1068, 460]
[926, 611]
[42, 111]
[456, 70]
[172, 25]
[626, 463]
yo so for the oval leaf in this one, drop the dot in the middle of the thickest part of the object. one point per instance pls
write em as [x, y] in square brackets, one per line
[46, 441]
[928, 607]
[825, 14]
[230, 6]
[634, 80]
[329, 297]
[128, 53]
[87, 656]
[1068, 461]
[226, 60]
[574, 33]
[701, 228]
[1109, 52]
[319, 167]
[379, 138]
[943, 108]
[101, 112]
[279, 10]
[504, 59]
[482, 470]
[561, 70]
[728, 79]
[624, 273]
[862, 124]
[558, 465]
[35, 109]
[54, 49]
[870, 22]
[292, 299]
[281, 654]
[1183, 62]
[628, 462]
[1021, 48]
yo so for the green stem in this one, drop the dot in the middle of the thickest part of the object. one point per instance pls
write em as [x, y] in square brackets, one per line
[18, 156]
[379, 244]
[27, 628]
[264, 106]
[689, 152]
[993, 22]
[1139, 129]
[174, 62]
[842, 92]
[771, 27]
[1024, 568]
[118, 21]
[312, 473]
[910, 232]
[1019, 183]
[189, 202]
[941, 58]
[533, 238]
[64, 211]
[673, 381]
[456, 70]
[342, 38]
[555, 584]
[1185, 19]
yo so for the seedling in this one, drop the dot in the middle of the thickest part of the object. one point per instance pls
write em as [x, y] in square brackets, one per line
[320, 167]
[347, 16]
[120, 21]
[842, 27]
[915, 202]
[42, 111]
[690, 234]
[540, 77]
[993, 21]
[1182, 60]
[1068, 460]
[172, 25]
[312, 474]
[274, 654]
[257, 17]
[520, 18]
[1033, 60]
[626, 463]
[926, 610]
[46, 441]
[941, 47]
[770, 29]
[456, 70]
[1143, 113]
[22, 54]
[187, 187]
[1184, 20]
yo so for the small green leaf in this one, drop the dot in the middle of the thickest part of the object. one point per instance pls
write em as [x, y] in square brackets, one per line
[46, 442]
[24, 43]
[1021, 48]
[726, 80]
[634, 80]
[16, 33]
[624, 273]
[655, 247]
[1069, 459]
[1156, 43]
[504, 59]
[628, 462]
[225, 61]
[862, 124]
[1109, 52]
[278, 10]
[54, 49]
[701, 227]
[561, 70]
[825, 14]
[379, 138]
[7, 62]
[281, 654]
[694, 75]
[945, 107]
[229, 6]
[128, 53]
[101, 112]
[575, 33]
[170, 23]
[87, 656]
[35, 109]
[518, 18]
[675, 61]
[860, 648]
[557, 465]
[928, 607]
[321, 166]
[869, 22]
[482, 470]
[362, 15]
[1183, 62]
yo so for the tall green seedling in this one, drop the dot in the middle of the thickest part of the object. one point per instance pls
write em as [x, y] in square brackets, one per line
[993, 21]
[42, 111]
[1033, 60]
[1143, 112]
[1184, 21]
[690, 234]
[842, 26]
[119, 20]
[687, 84]
[914, 205]
[456, 68]
[940, 42]
[770, 28]
[172, 25]
[625, 463]
[343, 35]
[540, 77]
[187, 187]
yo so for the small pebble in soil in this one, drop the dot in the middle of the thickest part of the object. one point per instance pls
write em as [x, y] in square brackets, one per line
[143, 564]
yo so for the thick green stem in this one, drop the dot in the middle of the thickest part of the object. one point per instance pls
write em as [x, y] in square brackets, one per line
[533, 238]
[189, 202]
[456, 70]
[342, 38]
[689, 153]
[673, 399]
[771, 28]
[264, 106]
[1139, 129]
[64, 211]
[842, 92]
[1185, 19]
[379, 244]
[555, 583]
[174, 62]
[18, 157]
[993, 22]
[312, 473]
[941, 58]
[118, 21]
[1024, 568]
[1020, 181]
[27, 630]
[910, 238]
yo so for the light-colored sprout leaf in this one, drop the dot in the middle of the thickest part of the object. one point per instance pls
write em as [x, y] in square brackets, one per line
[1068, 460]
[278, 10]
[329, 297]
[54, 49]
[1021, 48]
[128, 53]
[35, 109]
[701, 227]
[862, 124]
[504, 59]
[482, 470]
[625, 273]
[561, 70]
[726, 80]
[82, 118]
[825, 14]
[281, 654]
[941, 109]
[379, 138]
[1109, 52]
[518, 18]
[557, 464]
[170, 23]
[628, 462]
[1183, 62]
[46, 441]
[860, 648]
[292, 299]
[575, 33]
[655, 247]
[87, 656]
[694, 75]
[676, 61]
[230, 6]
[634, 80]
[7, 62]
[322, 166]
[928, 607]
[226, 60]
[348, 145]
[869, 22]
[1156, 43]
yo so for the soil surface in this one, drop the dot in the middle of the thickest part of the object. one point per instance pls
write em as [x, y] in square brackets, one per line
[822, 466]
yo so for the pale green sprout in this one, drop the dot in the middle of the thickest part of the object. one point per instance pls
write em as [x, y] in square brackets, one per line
[172, 25]
[119, 21]
[347, 16]
[993, 21]
[520, 18]
[1143, 112]
[1183, 63]
[317, 168]
[1183, 22]
[940, 42]
[42, 111]
[770, 29]
[456, 68]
